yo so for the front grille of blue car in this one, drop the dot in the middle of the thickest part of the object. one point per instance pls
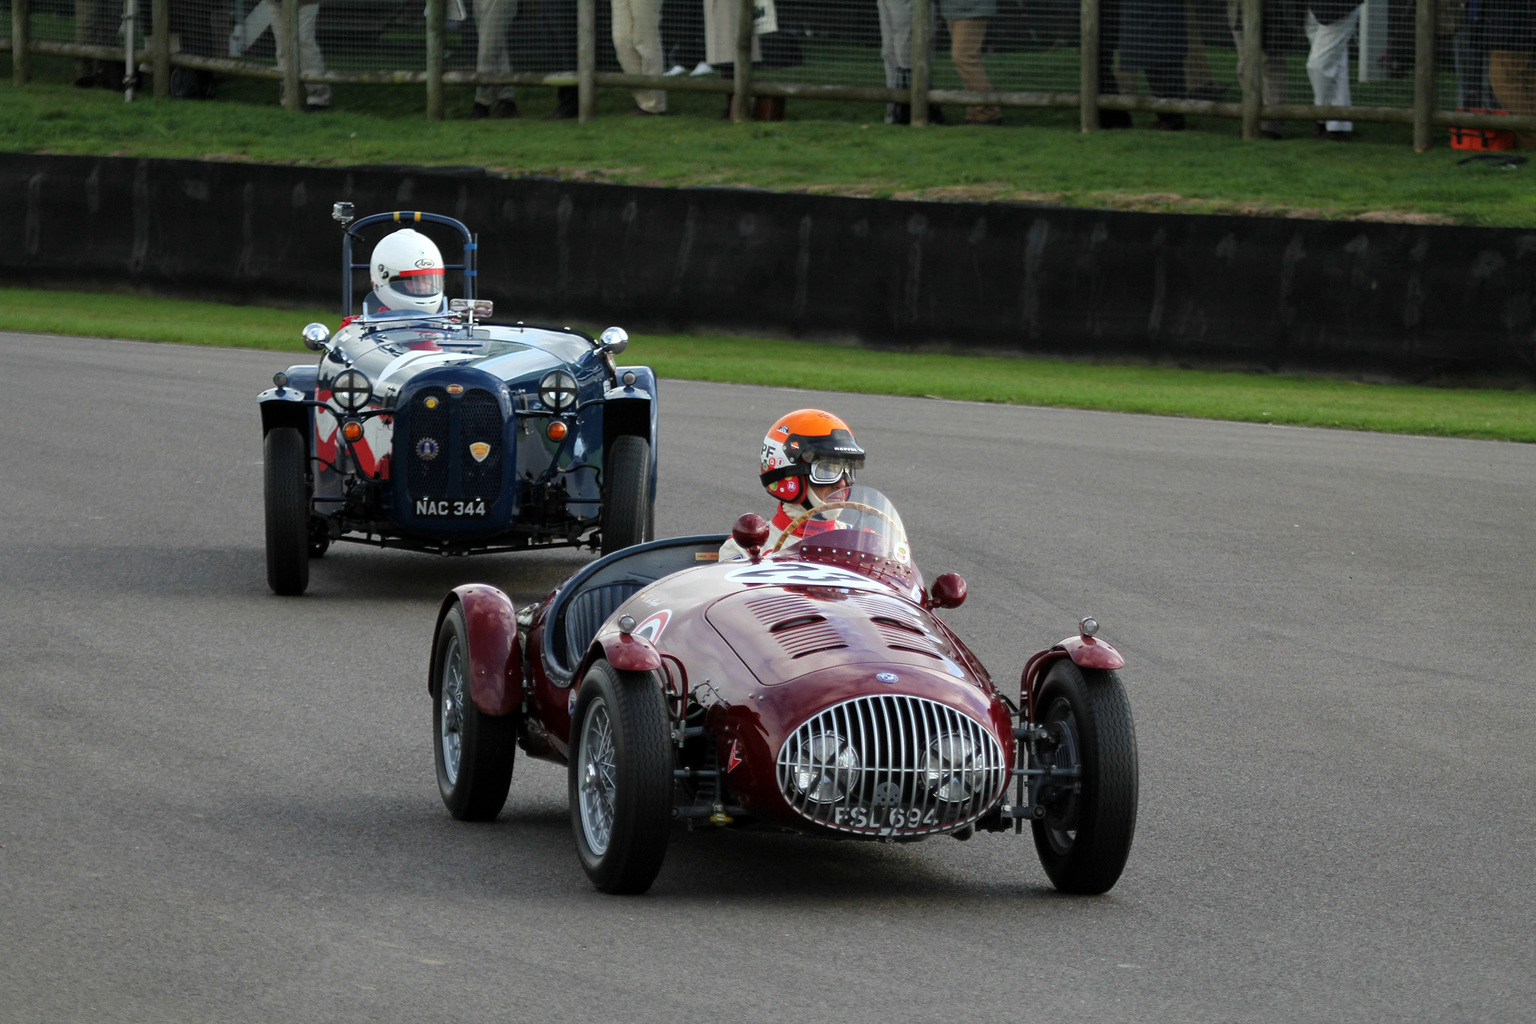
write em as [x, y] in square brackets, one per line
[480, 423]
[427, 454]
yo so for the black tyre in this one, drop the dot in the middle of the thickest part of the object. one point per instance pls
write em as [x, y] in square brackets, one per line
[474, 751]
[626, 493]
[1085, 836]
[621, 778]
[286, 486]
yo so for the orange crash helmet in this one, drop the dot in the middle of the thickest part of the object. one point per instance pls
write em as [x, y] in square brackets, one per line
[805, 447]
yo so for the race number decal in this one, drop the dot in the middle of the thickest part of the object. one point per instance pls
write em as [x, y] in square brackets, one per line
[803, 574]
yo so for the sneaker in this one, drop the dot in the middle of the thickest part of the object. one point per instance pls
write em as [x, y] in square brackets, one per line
[702, 69]
[642, 112]
[674, 71]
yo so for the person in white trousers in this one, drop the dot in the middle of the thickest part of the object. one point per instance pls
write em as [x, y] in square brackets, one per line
[491, 17]
[317, 95]
[637, 40]
[1328, 60]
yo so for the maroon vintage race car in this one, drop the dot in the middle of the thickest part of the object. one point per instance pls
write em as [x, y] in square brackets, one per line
[808, 688]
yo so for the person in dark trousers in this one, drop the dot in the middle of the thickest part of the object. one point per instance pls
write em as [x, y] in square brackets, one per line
[1153, 40]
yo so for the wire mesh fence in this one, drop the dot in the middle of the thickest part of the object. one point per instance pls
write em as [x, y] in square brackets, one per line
[1332, 62]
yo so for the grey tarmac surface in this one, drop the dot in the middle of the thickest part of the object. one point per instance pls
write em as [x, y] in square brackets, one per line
[219, 805]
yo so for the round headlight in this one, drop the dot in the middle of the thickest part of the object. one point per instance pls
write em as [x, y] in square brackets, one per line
[825, 768]
[351, 389]
[950, 771]
[557, 390]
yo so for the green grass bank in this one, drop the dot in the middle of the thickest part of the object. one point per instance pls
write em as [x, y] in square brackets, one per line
[1246, 397]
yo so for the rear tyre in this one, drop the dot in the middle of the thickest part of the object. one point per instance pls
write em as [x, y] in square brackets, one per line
[626, 493]
[286, 488]
[621, 778]
[1085, 836]
[474, 752]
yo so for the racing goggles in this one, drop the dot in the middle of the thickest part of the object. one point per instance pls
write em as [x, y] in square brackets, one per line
[834, 470]
[420, 283]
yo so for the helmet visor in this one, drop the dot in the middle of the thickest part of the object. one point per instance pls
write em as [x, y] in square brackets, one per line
[420, 283]
[831, 471]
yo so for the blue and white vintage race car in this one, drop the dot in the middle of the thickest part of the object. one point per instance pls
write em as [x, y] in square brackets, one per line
[438, 432]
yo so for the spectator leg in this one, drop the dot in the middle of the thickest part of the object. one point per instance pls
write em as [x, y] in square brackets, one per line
[491, 17]
[1328, 63]
[1513, 76]
[637, 41]
[966, 36]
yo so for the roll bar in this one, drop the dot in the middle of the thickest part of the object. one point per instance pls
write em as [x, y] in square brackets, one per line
[343, 212]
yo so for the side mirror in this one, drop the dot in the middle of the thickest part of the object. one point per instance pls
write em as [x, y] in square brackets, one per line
[750, 534]
[614, 340]
[948, 591]
[315, 336]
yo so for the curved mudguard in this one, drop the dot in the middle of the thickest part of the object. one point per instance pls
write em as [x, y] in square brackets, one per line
[495, 656]
[1085, 652]
[633, 409]
[284, 407]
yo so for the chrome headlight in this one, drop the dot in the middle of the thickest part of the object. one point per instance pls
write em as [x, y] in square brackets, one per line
[558, 390]
[351, 389]
[950, 769]
[824, 769]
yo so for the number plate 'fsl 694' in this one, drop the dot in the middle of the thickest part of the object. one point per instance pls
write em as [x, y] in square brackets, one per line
[445, 508]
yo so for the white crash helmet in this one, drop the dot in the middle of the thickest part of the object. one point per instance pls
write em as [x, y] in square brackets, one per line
[407, 272]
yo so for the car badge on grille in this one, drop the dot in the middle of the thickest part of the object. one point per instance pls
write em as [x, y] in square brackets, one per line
[430, 403]
[455, 389]
[479, 450]
[886, 677]
[426, 449]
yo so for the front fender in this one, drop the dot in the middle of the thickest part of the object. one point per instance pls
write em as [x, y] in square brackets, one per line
[624, 651]
[1085, 652]
[495, 656]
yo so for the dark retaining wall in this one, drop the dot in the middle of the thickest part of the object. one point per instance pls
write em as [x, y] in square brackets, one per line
[1409, 302]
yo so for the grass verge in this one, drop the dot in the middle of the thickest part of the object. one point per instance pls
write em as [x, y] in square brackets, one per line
[1245, 397]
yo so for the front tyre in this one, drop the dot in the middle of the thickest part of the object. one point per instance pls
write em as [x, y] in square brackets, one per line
[286, 493]
[474, 751]
[626, 493]
[621, 778]
[1085, 836]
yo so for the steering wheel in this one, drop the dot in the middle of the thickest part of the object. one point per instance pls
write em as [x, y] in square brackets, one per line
[789, 531]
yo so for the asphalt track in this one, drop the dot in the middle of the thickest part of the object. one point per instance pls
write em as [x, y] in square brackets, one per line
[218, 805]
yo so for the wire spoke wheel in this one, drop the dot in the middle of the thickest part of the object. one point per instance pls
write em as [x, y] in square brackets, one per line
[474, 752]
[620, 778]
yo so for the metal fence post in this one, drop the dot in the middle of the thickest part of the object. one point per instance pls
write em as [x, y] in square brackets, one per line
[21, 42]
[1253, 66]
[922, 49]
[436, 102]
[746, 14]
[586, 59]
[288, 23]
[1423, 72]
[1088, 65]
[160, 46]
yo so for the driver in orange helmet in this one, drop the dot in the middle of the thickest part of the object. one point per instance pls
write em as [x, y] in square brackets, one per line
[807, 454]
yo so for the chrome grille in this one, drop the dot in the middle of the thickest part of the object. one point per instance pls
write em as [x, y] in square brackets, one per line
[891, 765]
[480, 421]
[426, 454]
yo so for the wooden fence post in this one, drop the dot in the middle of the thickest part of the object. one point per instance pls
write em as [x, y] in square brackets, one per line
[160, 46]
[586, 59]
[1423, 72]
[1253, 66]
[437, 105]
[741, 99]
[922, 65]
[287, 22]
[21, 42]
[1088, 65]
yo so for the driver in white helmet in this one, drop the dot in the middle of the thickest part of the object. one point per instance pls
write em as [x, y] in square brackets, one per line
[807, 455]
[407, 273]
